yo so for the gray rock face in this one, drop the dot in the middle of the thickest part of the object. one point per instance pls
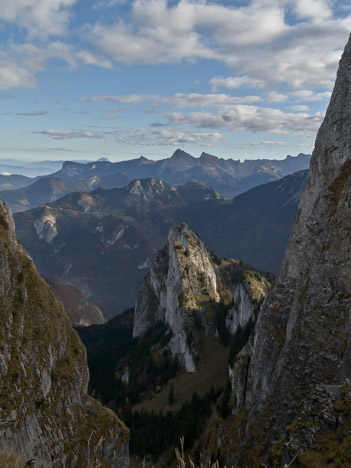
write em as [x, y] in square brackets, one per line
[45, 412]
[181, 281]
[242, 311]
[293, 378]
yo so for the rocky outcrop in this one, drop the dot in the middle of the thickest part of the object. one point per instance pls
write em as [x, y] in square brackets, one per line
[176, 291]
[46, 416]
[247, 298]
[45, 227]
[291, 384]
[80, 311]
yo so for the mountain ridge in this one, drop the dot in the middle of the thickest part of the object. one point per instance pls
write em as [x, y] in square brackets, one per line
[227, 176]
[122, 229]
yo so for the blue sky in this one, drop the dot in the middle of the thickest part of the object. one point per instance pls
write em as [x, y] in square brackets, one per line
[84, 79]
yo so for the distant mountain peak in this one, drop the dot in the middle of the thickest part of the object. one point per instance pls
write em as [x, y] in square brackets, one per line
[181, 155]
[103, 160]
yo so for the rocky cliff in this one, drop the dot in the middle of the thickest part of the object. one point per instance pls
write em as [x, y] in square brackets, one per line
[46, 416]
[181, 282]
[292, 382]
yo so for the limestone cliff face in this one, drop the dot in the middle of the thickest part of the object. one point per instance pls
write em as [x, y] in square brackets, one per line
[247, 297]
[182, 280]
[291, 383]
[45, 412]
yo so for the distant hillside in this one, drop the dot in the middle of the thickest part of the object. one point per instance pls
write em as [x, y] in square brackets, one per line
[43, 191]
[13, 182]
[103, 242]
[227, 176]
[32, 168]
[255, 226]
[80, 311]
[48, 189]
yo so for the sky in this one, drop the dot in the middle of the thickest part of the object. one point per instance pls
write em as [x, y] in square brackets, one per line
[85, 79]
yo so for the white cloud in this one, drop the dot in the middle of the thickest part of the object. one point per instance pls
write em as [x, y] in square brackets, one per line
[70, 134]
[270, 45]
[208, 100]
[159, 33]
[252, 119]
[39, 17]
[142, 136]
[273, 96]
[177, 100]
[32, 113]
[308, 95]
[165, 136]
[20, 63]
[108, 4]
[126, 99]
[88, 58]
[14, 75]
[179, 137]
[315, 10]
[265, 143]
[255, 40]
[151, 46]
[235, 82]
[301, 108]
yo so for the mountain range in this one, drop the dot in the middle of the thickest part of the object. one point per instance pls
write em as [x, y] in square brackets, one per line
[228, 177]
[103, 242]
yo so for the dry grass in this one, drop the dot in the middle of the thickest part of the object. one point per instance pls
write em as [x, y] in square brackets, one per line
[181, 460]
[9, 460]
[183, 464]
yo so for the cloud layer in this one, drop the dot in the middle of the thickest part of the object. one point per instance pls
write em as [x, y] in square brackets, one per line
[269, 66]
